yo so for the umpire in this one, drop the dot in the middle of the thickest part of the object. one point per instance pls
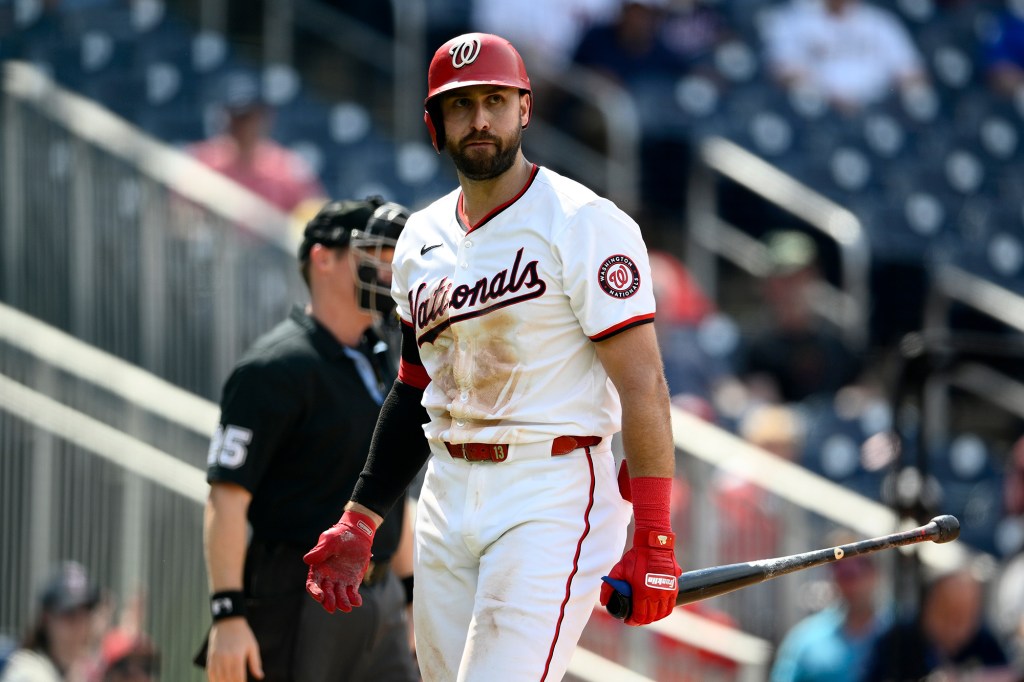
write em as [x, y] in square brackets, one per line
[297, 416]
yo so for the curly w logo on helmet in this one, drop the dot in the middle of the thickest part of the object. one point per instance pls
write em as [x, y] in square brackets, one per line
[464, 53]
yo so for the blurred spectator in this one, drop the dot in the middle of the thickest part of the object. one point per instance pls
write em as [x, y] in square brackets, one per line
[246, 154]
[692, 29]
[852, 52]
[1003, 50]
[631, 46]
[57, 647]
[128, 656]
[1008, 611]
[833, 644]
[947, 640]
[796, 356]
[543, 32]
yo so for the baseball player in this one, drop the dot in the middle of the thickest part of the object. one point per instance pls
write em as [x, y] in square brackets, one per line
[297, 416]
[526, 305]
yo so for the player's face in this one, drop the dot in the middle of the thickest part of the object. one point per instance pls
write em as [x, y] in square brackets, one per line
[483, 127]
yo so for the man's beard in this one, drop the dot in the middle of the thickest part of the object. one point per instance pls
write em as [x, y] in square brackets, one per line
[486, 167]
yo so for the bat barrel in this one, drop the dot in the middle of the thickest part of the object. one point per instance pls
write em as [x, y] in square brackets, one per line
[948, 528]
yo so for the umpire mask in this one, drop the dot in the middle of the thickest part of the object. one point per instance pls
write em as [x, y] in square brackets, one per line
[372, 249]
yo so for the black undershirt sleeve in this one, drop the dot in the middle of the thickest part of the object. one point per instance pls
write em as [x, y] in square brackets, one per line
[397, 452]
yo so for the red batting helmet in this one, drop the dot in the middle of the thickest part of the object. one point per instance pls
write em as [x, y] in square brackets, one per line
[470, 59]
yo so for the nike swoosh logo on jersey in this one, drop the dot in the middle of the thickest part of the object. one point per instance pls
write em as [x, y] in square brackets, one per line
[425, 248]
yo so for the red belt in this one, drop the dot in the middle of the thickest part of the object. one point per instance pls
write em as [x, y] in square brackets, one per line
[498, 452]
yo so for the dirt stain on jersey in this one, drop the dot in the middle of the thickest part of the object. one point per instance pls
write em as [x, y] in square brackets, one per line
[482, 365]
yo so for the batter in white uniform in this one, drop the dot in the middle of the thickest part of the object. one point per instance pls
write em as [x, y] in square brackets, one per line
[526, 301]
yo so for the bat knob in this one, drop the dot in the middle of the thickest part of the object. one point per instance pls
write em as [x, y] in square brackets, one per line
[620, 604]
[949, 528]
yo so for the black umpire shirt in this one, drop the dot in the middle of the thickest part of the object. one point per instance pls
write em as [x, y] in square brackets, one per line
[296, 423]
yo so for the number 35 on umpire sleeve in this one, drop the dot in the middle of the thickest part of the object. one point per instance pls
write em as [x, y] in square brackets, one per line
[228, 447]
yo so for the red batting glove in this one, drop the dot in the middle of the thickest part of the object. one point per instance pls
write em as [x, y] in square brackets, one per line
[650, 566]
[339, 561]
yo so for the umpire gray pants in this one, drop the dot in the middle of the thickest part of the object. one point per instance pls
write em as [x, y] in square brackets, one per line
[300, 642]
[368, 644]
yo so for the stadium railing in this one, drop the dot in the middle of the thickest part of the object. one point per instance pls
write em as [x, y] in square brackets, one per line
[132, 245]
[973, 372]
[710, 238]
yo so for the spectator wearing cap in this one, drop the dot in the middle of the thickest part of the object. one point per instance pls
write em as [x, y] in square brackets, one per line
[297, 415]
[245, 153]
[947, 639]
[57, 647]
[794, 355]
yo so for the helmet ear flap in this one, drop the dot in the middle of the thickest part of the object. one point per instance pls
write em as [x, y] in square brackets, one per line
[435, 126]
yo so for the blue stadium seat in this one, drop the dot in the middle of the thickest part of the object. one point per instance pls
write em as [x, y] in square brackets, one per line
[771, 135]
[114, 18]
[124, 93]
[912, 227]
[167, 42]
[302, 119]
[834, 446]
[93, 54]
[736, 61]
[176, 125]
[696, 109]
[1004, 258]
[970, 481]
[885, 136]
[953, 67]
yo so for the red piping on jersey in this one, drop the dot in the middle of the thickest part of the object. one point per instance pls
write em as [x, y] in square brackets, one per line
[575, 565]
[623, 326]
[460, 213]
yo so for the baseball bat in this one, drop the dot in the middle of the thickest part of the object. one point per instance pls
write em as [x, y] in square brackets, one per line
[705, 583]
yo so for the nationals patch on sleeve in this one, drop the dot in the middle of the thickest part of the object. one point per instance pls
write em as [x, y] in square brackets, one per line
[619, 276]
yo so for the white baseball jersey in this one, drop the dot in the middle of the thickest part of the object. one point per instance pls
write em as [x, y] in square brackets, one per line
[506, 311]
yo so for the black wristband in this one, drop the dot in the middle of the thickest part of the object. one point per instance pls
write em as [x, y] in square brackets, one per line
[227, 604]
[407, 584]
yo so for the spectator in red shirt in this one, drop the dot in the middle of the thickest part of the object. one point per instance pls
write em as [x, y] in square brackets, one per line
[245, 153]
